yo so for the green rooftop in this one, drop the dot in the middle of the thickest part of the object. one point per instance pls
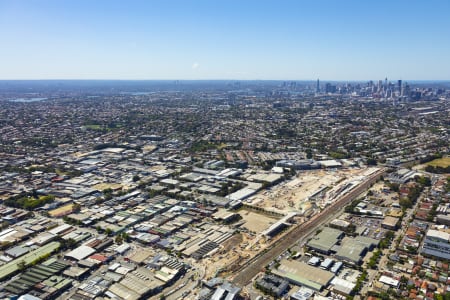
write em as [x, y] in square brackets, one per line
[15, 265]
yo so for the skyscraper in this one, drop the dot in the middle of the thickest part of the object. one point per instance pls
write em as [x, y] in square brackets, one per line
[399, 83]
[317, 87]
[405, 90]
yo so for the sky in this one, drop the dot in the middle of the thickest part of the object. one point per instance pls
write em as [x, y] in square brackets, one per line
[225, 39]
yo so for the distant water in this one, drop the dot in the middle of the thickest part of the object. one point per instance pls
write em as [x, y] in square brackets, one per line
[141, 93]
[28, 99]
[137, 93]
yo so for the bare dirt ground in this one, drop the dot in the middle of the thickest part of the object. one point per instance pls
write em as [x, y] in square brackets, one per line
[256, 222]
[308, 187]
[230, 255]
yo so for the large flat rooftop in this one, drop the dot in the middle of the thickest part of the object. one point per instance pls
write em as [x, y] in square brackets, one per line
[303, 274]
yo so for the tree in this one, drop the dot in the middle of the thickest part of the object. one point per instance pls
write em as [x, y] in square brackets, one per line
[405, 203]
[125, 237]
[21, 265]
[119, 239]
[424, 180]
[276, 265]
[371, 162]
[76, 207]
[395, 187]
[71, 243]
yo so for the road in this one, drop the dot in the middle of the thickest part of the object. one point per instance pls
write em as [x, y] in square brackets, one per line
[255, 265]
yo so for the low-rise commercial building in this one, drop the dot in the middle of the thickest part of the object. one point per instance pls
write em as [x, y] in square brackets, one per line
[390, 223]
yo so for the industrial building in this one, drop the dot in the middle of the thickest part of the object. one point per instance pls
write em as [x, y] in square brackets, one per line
[43, 278]
[326, 264]
[226, 291]
[80, 253]
[138, 284]
[225, 216]
[342, 286]
[302, 274]
[325, 240]
[330, 163]
[336, 267]
[241, 194]
[12, 267]
[305, 164]
[340, 224]
[352, 251]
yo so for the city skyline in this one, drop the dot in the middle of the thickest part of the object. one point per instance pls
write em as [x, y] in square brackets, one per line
[198, 40]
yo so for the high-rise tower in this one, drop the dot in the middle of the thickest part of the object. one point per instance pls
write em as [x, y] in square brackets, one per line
[318, 86]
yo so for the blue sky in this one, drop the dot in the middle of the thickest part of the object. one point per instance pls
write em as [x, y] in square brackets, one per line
[227, 39]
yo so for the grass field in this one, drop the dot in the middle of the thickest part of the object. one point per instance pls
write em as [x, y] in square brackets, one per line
[93, 127]
[440, 162]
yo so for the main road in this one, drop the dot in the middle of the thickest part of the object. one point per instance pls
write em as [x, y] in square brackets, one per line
[255, 265]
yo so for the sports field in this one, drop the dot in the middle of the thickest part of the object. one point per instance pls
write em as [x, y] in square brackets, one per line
[443, 162]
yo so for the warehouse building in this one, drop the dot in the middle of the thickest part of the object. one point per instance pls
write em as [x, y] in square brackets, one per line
[342, 286]
[332, 163]
[305, 164]
[340, 224]
[226, 291]
[302, 274]
[327, 263]
[12, 267]
[80, 253]
[336, 267]
[352, 251]
[44, 275]
[325, 240]
[139, 284]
